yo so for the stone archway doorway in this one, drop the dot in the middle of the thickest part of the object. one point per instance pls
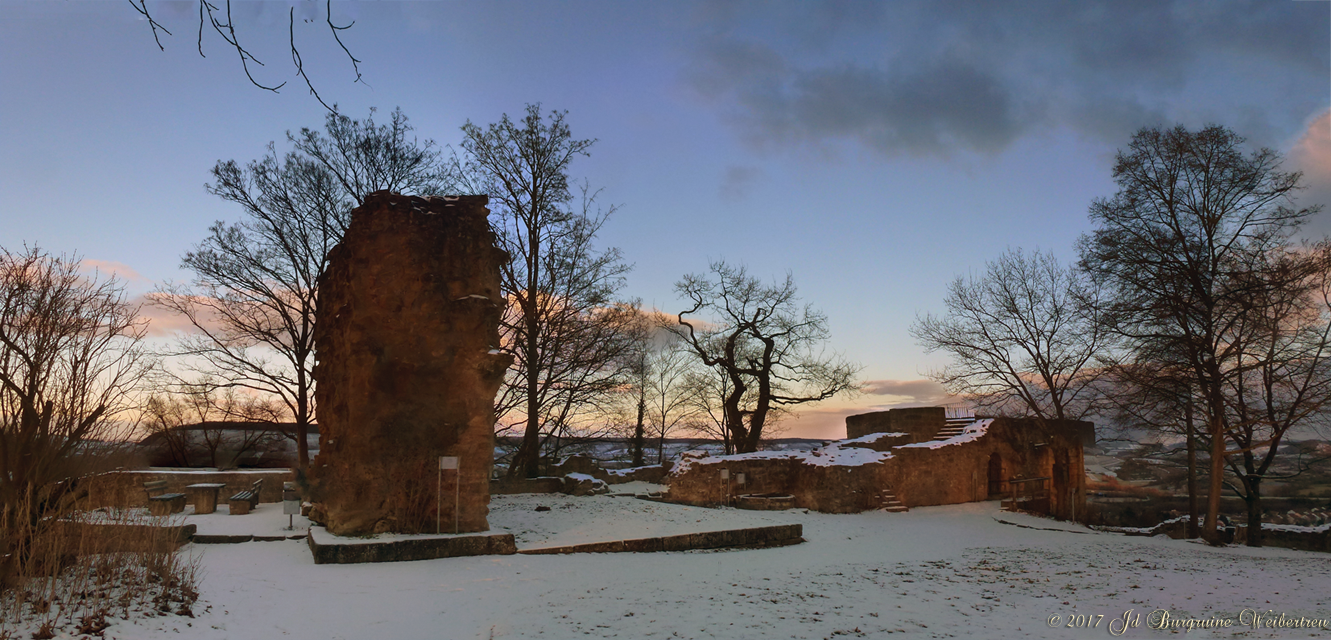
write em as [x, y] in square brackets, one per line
[996, 475]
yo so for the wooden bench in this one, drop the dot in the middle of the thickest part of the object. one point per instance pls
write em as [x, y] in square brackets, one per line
[244, 501]
[161, 503]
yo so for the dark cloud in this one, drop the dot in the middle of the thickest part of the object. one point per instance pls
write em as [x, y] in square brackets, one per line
[944, 103]
[737, 182]
[942, 77]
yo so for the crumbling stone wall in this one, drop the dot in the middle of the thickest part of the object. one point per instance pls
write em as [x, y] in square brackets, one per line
[919, 473]
[958, 473]
[825, 488]
[922, 423]
[408, 366]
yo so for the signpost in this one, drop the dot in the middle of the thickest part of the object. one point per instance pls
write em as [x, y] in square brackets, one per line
[290, 503]
[447, 463]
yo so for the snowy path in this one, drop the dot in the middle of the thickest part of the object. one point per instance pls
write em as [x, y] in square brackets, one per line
[932, 572]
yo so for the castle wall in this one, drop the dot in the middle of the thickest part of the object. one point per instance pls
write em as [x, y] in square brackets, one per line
[919, 473]
[922, 423]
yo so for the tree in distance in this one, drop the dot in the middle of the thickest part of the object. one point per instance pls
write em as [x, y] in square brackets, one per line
[203, 424]
[662, 400]
[254, 296]
[766, 344]
[1195, 255]
[563, 325]
[1282, 375]
[71, 356]
[1023, 338]
[708, 392]
[1154, 393]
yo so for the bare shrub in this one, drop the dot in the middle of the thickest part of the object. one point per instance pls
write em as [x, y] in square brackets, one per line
[70, 357]
[81, 572]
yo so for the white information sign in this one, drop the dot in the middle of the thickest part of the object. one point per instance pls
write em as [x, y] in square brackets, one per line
[448, 462]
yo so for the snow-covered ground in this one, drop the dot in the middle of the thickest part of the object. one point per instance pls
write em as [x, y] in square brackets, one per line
[265, 520]
[964, 570]
[576, 520]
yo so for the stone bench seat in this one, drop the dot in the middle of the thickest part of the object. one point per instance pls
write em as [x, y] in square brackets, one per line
[166, 504]
[162, 504]
[245, 501]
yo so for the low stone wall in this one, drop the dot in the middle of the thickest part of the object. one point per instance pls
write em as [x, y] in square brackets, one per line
[125, 488]
[699, 484]
[329, 550]
[652, 473]
[505, 486]
[829, 489]
[756, 537]
[766, 502]
[1282, 536]
[586, 465]
[129, 538]
[576, 464]
[1315, 540]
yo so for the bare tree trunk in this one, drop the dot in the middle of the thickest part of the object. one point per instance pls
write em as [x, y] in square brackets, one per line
[639, 432]
[1193, 530]
[303, 423]
[1216, 484]
[303, 443]
[1254, 503]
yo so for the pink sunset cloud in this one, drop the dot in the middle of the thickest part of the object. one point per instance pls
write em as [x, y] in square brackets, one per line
[112, 268]
[1312, 153]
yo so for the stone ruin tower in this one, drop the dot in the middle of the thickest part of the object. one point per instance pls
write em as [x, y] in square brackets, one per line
[406, 335]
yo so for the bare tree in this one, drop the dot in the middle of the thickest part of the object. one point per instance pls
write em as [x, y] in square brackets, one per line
[663, 402]
[764, 342]
[1156, 394]
[1282, 377]
[1023, 338]
[164, 417]
[70, 358]
[218, 20]
[253, 300]
[671, 405]
[563, 326]
[709, 389]
[638, 376]
[211, 425]
[1185, 250]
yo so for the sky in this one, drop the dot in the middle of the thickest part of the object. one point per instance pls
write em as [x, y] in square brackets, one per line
[873, 150]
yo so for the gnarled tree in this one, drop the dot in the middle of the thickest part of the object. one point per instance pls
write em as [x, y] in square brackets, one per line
[765, 343]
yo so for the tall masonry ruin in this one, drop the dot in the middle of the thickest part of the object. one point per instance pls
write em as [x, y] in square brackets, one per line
[407, 337]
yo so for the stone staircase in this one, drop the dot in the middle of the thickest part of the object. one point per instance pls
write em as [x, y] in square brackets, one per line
[953, 427]
[888, 502]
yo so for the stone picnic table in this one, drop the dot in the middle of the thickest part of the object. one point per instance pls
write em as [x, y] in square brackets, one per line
[205, 496]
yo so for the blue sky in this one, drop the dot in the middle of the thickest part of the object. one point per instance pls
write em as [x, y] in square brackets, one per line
[874, 150]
